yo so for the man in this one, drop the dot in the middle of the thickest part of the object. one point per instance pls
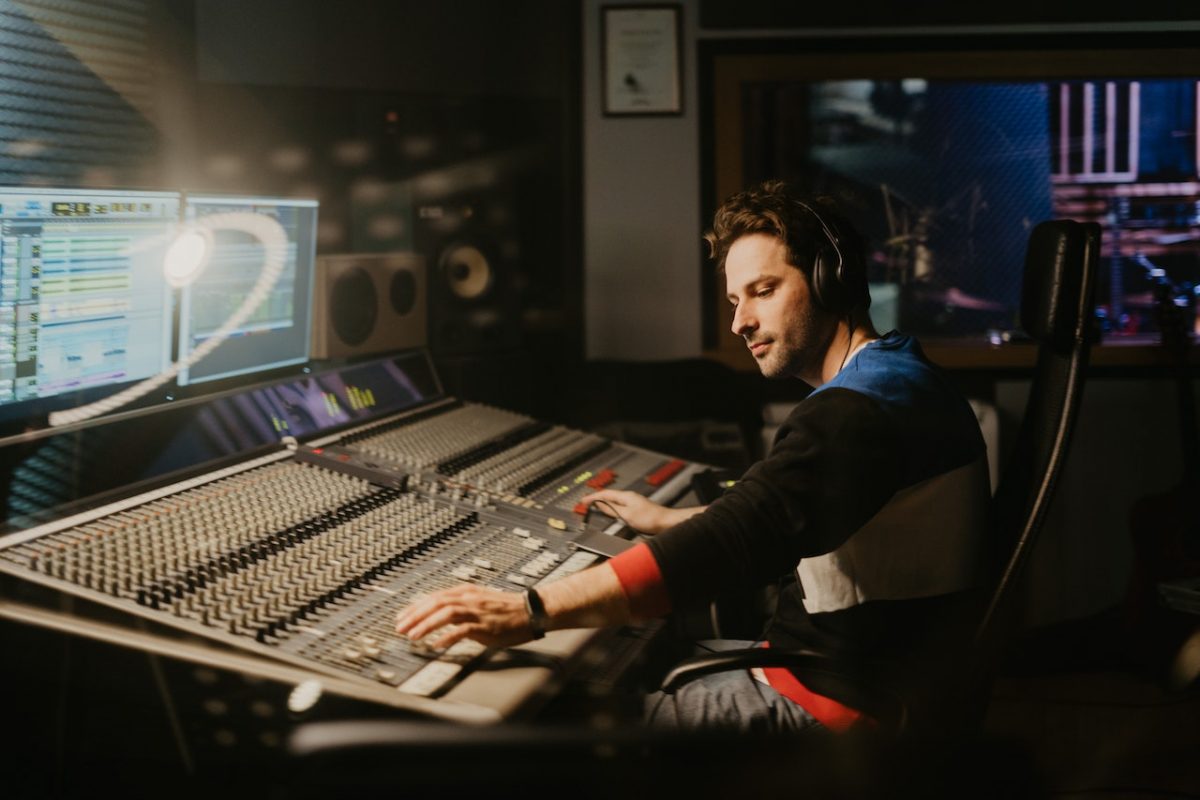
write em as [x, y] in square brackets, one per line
[873, 493]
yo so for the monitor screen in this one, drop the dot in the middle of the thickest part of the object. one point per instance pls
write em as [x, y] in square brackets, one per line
[84, 303]
[277, 333]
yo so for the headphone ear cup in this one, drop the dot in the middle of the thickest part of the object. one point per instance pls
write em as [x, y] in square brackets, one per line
[828, 289]
[816, 284]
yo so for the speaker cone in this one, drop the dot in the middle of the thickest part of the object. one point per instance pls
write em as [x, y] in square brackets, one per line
[467, 272]
[353, 306]
[403, 292]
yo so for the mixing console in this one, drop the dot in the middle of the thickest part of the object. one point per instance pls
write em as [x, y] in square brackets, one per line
[306, 555]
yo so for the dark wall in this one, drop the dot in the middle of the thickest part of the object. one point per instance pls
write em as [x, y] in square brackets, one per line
[418, 127]
[465, 47]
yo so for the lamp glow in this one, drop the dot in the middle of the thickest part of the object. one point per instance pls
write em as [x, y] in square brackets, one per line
[187, 257]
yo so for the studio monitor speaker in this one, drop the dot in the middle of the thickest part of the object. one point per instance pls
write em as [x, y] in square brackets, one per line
[369, 303]
[475, 269]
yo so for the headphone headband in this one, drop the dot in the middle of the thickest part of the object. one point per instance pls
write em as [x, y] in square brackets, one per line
[834, 288]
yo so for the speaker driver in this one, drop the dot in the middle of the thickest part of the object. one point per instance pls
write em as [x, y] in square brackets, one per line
[403, 292]
[467, 271]
[352, 306]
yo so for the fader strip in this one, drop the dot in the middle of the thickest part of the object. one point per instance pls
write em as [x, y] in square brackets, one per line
[308, 558]
[302, 563]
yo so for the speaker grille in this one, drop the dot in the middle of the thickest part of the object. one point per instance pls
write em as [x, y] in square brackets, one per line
[368, 303]
[353, 306]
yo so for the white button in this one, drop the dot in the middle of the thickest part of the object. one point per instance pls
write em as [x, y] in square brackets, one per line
[464, 648]
[430, 678]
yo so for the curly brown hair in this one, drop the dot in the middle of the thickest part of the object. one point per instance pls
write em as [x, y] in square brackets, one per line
[805, 225]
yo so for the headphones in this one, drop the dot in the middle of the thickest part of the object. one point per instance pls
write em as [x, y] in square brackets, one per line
[836, 286]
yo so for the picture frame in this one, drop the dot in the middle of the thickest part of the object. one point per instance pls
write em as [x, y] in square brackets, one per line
[642, 60]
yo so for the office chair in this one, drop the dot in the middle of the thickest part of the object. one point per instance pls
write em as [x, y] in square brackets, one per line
[1056, 312]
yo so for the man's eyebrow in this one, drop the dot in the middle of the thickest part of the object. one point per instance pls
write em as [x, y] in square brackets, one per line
[753, 285]
[758, 280]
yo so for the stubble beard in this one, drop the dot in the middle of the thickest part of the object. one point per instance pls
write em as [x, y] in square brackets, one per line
[800, 347]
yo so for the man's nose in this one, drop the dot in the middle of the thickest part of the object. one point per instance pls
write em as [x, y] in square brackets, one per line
[743, 320]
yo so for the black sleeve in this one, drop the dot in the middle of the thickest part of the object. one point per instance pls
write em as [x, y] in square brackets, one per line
[835, 462]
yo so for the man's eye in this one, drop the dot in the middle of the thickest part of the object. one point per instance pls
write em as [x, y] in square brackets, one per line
[765, 292]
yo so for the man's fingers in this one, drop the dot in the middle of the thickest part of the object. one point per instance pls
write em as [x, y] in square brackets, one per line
[451, 635]
[588, 499]
[606, 500]
[443, 616]
[466, 611]
[421, 607]
[412, 614]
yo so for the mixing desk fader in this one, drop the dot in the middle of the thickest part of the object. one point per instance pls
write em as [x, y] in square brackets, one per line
[305, 555]
[517, 460]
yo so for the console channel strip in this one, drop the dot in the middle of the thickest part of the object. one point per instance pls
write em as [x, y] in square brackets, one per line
[305, 555]
[517, 460]
[293, 561]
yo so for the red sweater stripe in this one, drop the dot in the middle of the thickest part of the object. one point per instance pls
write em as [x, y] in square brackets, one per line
[830, 713]
[642, 582]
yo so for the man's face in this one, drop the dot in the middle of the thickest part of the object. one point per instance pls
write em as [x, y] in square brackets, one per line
[773, 309]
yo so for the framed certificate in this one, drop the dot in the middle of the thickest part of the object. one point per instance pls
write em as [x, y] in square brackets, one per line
[642, 60]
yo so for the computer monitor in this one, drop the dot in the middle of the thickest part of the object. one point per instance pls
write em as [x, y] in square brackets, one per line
[277, 334]
[84, 303]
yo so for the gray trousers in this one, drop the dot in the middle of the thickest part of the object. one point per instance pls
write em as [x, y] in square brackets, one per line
[730, 701]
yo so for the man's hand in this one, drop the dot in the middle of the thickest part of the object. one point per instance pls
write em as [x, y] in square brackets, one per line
[638, 512]
[588, 599]
[490, 617]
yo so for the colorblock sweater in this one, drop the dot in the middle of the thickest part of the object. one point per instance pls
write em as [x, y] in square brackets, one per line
[872, 500]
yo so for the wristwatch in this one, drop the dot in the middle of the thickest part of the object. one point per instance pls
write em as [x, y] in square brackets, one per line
[537, 614]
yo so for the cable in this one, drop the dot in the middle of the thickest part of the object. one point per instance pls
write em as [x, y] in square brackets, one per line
[845, 358]
[612, 511]
[164, 693]
[849, 339]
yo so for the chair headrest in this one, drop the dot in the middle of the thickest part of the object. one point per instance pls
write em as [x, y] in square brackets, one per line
[1059, 265]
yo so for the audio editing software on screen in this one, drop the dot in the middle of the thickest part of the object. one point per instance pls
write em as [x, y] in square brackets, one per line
[83, 299]
[277, 335]
[85, 306]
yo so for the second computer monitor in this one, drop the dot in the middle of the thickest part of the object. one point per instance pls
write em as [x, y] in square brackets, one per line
[277, 334]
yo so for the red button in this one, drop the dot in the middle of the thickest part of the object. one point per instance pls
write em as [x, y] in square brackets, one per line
[602, 479]
[664, 473]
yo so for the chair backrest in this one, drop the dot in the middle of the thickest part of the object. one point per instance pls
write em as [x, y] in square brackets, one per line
[1057, 301]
